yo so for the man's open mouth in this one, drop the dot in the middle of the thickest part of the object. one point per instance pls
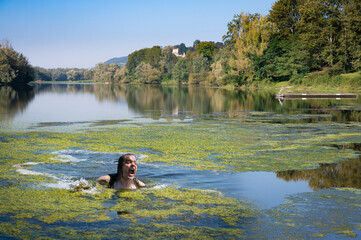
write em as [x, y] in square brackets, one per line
[131, 172]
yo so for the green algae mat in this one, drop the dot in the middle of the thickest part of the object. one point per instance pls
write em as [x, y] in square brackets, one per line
[31, 209]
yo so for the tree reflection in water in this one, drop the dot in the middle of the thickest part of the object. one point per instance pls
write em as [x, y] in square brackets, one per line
[14, 100]
[169, 101]
[341, 174]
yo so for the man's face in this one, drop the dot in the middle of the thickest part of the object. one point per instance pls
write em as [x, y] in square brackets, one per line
[130, 168]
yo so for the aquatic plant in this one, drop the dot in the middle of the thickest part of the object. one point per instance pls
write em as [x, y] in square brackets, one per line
[228, 144]
[185, 204]
[331, 213]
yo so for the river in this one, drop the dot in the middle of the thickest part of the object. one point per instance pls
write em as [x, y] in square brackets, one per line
[217, 163]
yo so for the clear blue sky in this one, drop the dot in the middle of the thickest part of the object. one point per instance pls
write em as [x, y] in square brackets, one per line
[77, 33]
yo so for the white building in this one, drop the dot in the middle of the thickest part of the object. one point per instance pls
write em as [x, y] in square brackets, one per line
[176, 52]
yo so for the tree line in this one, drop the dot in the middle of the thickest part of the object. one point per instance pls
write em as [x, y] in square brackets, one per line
[14, 67]
[296, 37]
[59, 74]
[16, 70]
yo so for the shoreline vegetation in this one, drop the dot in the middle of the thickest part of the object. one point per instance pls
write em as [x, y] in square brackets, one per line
[318, 81]
[304, 44]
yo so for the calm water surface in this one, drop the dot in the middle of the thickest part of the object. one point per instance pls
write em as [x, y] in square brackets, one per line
[68, 107]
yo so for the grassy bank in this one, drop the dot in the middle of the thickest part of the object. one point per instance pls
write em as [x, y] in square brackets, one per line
[316, 81]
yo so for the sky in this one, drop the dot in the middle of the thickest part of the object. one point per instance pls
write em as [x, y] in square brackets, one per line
[83, 33]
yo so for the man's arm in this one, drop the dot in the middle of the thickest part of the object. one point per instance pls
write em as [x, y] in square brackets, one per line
[139, 183]
[104, 180]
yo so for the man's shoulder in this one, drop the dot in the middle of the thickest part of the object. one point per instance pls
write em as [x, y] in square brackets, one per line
[105, 178]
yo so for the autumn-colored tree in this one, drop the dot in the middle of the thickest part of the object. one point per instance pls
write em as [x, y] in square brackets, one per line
[251, 37]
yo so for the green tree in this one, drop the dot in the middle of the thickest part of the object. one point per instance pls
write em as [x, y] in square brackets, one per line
[121, 75]
[200, 64]
[331, 32]
[284, 14]
[145, 73]
[42, 74]
[350, 35]
[220, 66]
[199, 70]
[283, 60]
[14, 67]
[195, 43]
[89, 74]
[59, 75]
[105, 72]
[153, 56]
[7, 74]
[134, 59]
[206, 49]
[182, 48]
[168, 60]
[181, 71]
[319, 28]
[147, 55]
[75, 74]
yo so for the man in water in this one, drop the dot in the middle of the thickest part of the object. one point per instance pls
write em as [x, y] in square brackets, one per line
[125, 176]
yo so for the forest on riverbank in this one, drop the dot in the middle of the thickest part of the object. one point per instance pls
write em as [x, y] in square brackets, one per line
[299, 41]
[303, 42]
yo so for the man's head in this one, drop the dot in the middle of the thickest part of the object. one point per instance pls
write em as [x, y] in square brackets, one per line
[127, 166]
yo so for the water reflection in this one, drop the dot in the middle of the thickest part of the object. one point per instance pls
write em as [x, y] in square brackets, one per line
[14, 100]
[171, 101]
[159, 101]
[341, 174]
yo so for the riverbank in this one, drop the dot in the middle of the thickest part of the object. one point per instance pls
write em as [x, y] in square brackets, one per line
[315, 81]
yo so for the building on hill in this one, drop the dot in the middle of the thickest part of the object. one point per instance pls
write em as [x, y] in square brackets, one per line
[176, 52]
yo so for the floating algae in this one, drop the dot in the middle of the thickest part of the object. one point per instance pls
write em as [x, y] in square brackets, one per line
[173, 211]
[49, 205]
[29, 207]
[184, 204]
[331, 213]
[213, 145]
[35, 210]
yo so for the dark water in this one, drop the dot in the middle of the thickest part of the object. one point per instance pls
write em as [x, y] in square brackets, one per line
[67, 106]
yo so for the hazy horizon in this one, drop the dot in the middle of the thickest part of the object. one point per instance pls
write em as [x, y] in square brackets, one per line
[80, 34]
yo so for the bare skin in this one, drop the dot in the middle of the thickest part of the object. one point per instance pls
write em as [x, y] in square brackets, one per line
[127, 179]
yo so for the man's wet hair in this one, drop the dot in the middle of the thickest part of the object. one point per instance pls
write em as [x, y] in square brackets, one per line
[121, 162]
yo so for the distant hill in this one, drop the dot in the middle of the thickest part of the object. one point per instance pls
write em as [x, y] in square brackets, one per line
[120, 61]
